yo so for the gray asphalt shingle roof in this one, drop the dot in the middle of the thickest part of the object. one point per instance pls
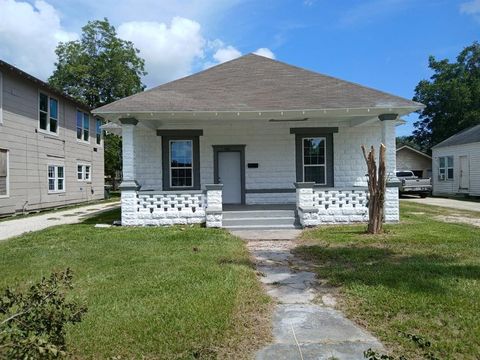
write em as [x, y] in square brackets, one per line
[466, 136]
[256, 83]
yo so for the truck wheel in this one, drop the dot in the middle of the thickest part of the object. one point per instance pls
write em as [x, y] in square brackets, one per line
[423, 196]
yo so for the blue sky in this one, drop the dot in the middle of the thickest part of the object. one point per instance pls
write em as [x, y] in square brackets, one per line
[384, 44]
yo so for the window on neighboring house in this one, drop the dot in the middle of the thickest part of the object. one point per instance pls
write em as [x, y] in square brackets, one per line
[84, 172]
[48, 113]
[314, 160]
[445, 168]
[3, 173]
[98, 130]
[56, 178]
[181, 163]
[83, 126]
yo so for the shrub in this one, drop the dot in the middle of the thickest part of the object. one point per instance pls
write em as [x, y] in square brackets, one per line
[32, 322]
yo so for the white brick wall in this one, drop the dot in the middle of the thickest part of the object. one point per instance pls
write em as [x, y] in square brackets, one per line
[269, 144]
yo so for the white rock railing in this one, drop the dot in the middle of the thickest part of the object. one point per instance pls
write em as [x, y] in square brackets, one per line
[317, 206]
[170, 207]
[155, 207]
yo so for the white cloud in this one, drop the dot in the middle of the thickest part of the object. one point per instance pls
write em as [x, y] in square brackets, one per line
[169, 50]
[226, 54]
[471, 8]
[29, 35]
[265, 52]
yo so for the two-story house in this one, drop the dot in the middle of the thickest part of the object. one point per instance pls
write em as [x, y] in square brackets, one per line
[51, 147]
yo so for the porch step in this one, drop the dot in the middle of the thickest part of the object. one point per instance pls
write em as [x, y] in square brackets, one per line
[259, 219]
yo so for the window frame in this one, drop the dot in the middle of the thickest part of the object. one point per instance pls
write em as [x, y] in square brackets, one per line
[101, 131]
[170, 167]
[166, 158]
[324, 165]
[315, 132]
[7, 180]
[82, 140]
[49, 98]
[84, 172]
[55, 178]
[446, 168]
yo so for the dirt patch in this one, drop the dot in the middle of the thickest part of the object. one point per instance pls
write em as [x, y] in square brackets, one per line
[459, 219]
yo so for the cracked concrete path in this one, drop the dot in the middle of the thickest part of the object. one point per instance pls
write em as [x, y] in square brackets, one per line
[21, 225]
[305, 323]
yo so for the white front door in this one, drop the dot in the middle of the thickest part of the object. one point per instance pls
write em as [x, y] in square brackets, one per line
[464, 172]
[229, 174]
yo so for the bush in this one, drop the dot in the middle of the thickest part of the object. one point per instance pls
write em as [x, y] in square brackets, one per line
[32, 322]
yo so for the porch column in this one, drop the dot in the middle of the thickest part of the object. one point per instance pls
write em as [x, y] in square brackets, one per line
[129, 185]
[307, 213]
[214, 208]
[392, 206]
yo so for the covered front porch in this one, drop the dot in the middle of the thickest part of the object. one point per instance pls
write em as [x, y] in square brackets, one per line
[187, 168]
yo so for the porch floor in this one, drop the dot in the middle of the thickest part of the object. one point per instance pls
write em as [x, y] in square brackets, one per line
[258, 207]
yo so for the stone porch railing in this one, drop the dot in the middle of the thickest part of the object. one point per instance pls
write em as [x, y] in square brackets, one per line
[317, 206]
[153, 208]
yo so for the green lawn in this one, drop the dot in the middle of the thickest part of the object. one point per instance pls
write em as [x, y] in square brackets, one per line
[155, 293]
[422, 277]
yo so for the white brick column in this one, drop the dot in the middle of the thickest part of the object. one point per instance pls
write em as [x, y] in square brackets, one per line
[129, 185]
[307, 213]
[214, 208]
[391, 204]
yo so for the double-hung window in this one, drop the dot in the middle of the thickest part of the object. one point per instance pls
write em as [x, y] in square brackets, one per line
[3, 173]
[48, 113]
[83, 126]
[314, 160]
[84, 172]
[445, 168]
[181, 163]
[56, 178]
[98, 131]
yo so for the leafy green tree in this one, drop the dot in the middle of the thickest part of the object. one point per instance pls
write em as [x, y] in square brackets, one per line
[97, 69]
[451, 96]
[408, 140]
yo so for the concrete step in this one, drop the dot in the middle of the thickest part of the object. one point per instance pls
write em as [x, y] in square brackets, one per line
[260, 227]
[258, 213]
[288, 220]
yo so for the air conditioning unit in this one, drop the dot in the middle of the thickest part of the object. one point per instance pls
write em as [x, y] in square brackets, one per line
[442, 176]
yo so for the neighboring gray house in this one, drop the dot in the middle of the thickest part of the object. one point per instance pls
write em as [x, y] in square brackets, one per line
[456, 164]
[51, 147]
[412, 159]
[253, 142]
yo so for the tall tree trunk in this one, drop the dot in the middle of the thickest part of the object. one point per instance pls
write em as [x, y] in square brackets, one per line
[377, 182]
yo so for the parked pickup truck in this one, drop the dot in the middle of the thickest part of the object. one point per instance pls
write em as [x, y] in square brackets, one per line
[413, 185]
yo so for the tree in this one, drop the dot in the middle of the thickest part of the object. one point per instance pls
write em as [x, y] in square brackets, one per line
[377, 182]
[97, 69]
[451, 97]
[409, 141]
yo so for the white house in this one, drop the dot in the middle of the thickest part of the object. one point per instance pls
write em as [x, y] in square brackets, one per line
[456, 164]
[253, 134]
[412, 159]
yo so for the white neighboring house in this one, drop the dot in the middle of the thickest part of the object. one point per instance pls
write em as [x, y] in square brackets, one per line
[414, 160]
[456, 164]
[253, 134]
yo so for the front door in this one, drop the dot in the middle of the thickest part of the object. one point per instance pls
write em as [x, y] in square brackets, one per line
[230, 175]
[464, 172]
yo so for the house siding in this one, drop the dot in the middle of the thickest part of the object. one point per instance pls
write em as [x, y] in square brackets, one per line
[451, 187]
[31, 151]
[270, 145]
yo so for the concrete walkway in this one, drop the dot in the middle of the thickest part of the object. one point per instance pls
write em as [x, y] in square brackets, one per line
[305, 324]
[448, 203]
[21, 225]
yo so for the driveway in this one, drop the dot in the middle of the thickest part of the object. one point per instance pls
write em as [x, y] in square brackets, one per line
[448, 203]
[18, 226]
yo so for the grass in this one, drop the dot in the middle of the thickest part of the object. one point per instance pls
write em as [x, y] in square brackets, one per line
[422, 277]
[152, 293]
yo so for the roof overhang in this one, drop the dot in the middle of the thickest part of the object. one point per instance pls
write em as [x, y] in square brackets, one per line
[414, 151]
[272, 115]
